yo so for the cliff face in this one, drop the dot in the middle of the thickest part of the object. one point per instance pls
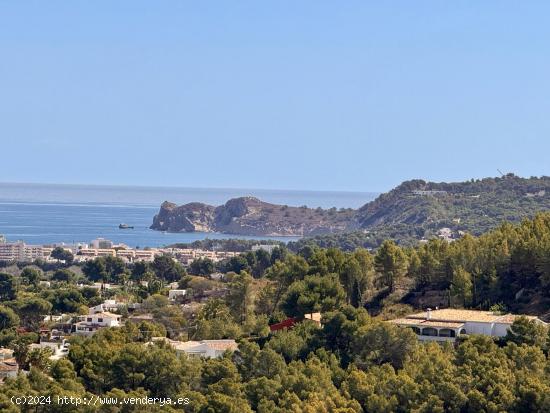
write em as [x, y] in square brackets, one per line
[186, 218]
[250, 216]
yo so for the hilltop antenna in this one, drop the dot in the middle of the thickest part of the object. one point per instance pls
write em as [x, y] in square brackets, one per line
[500, 172]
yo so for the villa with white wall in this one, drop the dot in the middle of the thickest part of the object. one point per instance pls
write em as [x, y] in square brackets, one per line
[447, 324]
[91, 323]
[203, 348]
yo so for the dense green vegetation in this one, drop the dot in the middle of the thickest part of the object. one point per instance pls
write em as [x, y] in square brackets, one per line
[406, 215]
[474, 206]
[354, 362]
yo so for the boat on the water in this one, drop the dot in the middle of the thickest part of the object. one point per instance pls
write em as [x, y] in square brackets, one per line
[125, 226]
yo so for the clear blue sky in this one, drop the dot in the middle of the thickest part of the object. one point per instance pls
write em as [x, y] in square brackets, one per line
[286, 94]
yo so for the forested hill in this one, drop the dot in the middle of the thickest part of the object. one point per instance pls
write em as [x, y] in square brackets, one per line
[414, 210]
[474, 206]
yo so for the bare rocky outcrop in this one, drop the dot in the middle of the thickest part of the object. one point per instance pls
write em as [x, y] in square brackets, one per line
[250, 216]
[190, 217]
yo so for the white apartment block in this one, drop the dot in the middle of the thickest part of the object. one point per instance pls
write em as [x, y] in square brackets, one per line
[187, 255]
[21, 252]
[129, 255]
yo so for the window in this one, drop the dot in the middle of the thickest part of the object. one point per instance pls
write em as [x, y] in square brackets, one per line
[446, 332]
[89, 319]
[100, 320]
[429, 331]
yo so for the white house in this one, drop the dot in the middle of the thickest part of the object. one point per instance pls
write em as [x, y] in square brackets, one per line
[6, 353]
[8, 365]
[266, 247]
[203, 348]
[107, 305]
[8, 369]
[446, 324]
[91, 323]
[173, 294]
[59, 348]
[53, 318]
[218, 276]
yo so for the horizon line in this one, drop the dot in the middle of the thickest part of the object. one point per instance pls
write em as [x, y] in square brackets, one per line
[186, 187]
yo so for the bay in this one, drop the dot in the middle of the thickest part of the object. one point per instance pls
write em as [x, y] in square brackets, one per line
[46, 213]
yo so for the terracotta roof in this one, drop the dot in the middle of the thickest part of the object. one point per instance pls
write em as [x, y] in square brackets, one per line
[183, 345]
[221, 344]
[510, 318]
[427, 323]
[9, 366]
[451, 314]
[462, 316]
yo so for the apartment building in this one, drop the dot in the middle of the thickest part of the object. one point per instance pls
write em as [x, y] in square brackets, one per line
[21, 252]
[187, 255]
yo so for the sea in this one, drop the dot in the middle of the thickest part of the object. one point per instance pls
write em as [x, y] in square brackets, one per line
[46, 214]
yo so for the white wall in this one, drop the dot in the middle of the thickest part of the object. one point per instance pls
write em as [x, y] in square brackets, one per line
[473, 327]
[500, 329]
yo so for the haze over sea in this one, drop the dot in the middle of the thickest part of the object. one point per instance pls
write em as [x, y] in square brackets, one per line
[47, 213]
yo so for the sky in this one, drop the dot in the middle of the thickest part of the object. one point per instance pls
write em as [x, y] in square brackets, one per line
[317, 95]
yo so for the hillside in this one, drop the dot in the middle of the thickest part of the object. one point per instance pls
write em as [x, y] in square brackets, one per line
[472, 206]
[414, 210]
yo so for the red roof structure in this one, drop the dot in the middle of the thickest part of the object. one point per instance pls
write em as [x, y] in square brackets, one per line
[288, 323]
[291, 322]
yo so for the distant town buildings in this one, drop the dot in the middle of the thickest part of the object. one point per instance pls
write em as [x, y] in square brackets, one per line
[128, 255]
[428, 193]
[19, 251]
[187, 255]
[101, 243]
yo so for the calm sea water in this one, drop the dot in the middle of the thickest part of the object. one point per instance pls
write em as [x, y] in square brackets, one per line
[43, 214]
